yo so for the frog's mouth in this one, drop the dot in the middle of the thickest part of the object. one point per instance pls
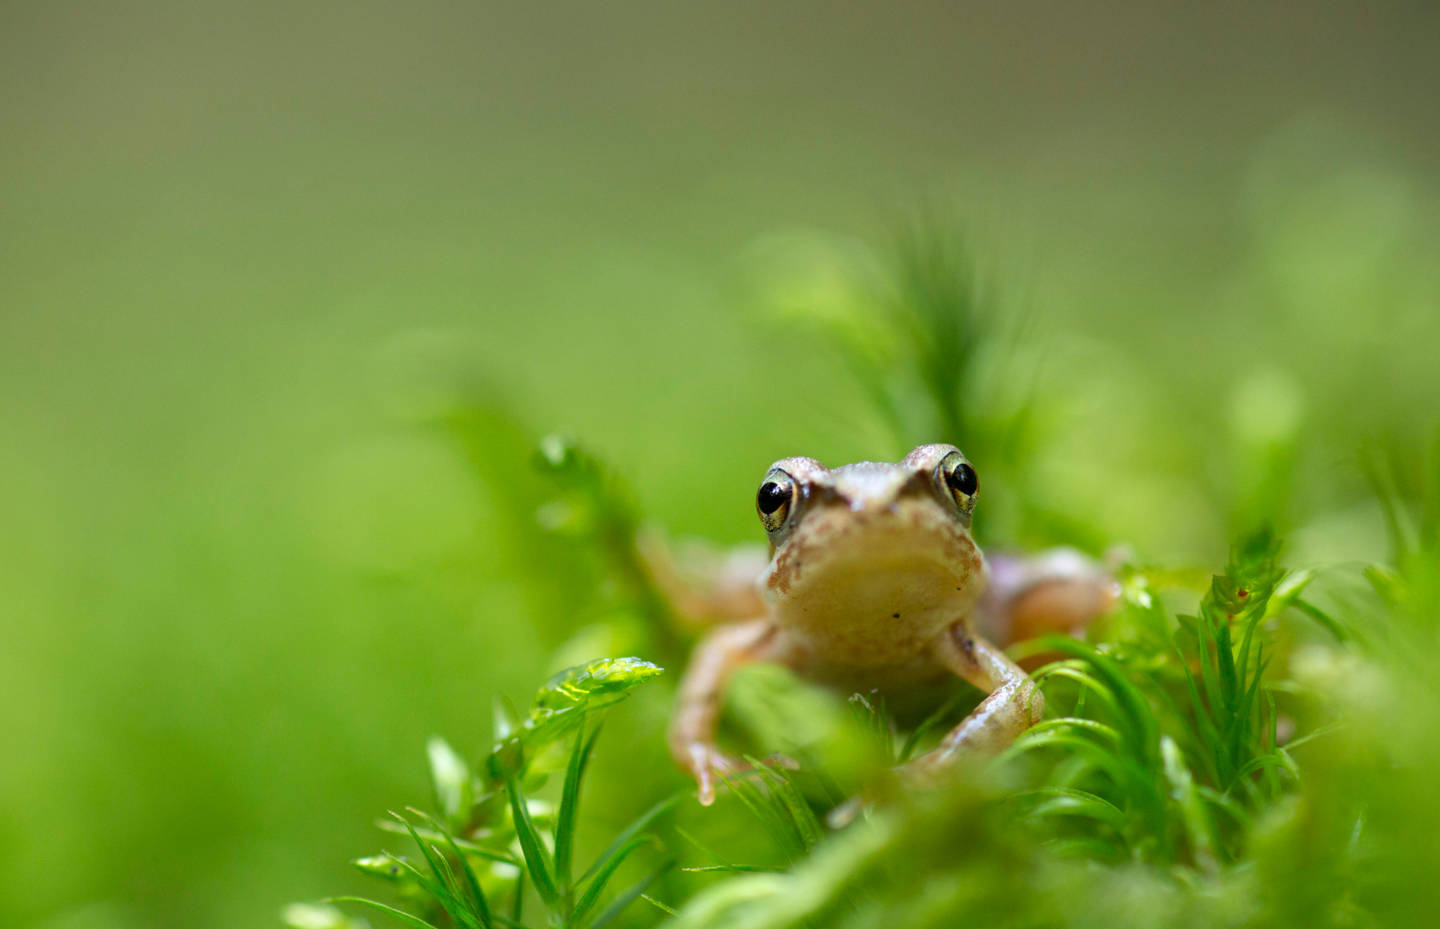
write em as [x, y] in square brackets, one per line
[908, 569]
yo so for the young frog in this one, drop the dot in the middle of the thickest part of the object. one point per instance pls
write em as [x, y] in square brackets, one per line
[874, 585]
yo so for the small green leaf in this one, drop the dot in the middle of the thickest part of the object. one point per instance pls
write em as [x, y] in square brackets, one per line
[563, 703]
[388, 867]
[507, 718]
[452, 781]
[408, 919]
[594, 680]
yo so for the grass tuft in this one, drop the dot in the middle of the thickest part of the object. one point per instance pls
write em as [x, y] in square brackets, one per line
[1255, 751]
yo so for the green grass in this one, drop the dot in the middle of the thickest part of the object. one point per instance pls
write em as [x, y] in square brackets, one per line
[490, 841]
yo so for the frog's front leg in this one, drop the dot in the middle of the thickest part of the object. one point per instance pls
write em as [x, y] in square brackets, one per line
[1014, 703]
[702, 693]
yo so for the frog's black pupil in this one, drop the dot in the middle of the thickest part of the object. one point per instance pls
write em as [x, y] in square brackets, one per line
[963, 479]
[772, 497]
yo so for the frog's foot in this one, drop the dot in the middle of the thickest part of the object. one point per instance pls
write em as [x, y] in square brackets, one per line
[708, 764]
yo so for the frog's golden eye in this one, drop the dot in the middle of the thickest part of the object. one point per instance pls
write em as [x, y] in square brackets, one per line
[960, 479]
[775, 499]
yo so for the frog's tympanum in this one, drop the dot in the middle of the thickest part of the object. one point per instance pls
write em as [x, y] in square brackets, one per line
[874, 585]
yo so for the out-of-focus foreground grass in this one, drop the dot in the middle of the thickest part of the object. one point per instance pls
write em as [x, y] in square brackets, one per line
[249, 254]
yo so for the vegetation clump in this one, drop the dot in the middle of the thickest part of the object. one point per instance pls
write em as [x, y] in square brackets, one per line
[1252, 752]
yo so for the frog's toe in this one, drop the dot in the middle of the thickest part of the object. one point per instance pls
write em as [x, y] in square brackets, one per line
[708, 764]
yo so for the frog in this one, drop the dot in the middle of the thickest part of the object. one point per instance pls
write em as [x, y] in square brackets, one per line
[873, 584]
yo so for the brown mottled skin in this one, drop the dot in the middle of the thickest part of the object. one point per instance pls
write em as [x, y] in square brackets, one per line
[874, 584]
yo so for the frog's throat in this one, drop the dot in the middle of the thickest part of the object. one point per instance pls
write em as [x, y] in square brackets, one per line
[875, 592]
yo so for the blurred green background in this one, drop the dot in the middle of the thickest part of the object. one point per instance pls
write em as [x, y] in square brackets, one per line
[244, 248]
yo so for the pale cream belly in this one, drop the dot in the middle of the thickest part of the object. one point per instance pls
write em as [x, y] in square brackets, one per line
[910, 690]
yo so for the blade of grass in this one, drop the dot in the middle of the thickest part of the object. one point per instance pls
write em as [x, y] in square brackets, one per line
[592, 893]
[1199, 828]
[1133, 713]
[1122, 771]
[928, 725]
[1085, 847]
[569, 803]
[1275, 760]
[425, 881]
[445, 886]
[1074, 671]
[1313, 734]
[721, 863]
[477, 895]
[508, 922]
[618, 905]
[532, 845]
[471, 848]
[760, 806]
[1209, 735]
[630, 832]
[1222, 802]
[408, 918]
[659, 906]
[1330, 623]
[1068, 801]
[1069, 723]
[807, 827]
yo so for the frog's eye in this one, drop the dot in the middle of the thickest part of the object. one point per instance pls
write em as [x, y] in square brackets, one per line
[960, 480]
[774, 500]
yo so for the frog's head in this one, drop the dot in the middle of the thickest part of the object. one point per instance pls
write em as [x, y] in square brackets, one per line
[871, 549]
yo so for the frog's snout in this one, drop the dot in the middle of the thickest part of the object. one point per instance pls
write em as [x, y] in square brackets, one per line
[867, 511]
